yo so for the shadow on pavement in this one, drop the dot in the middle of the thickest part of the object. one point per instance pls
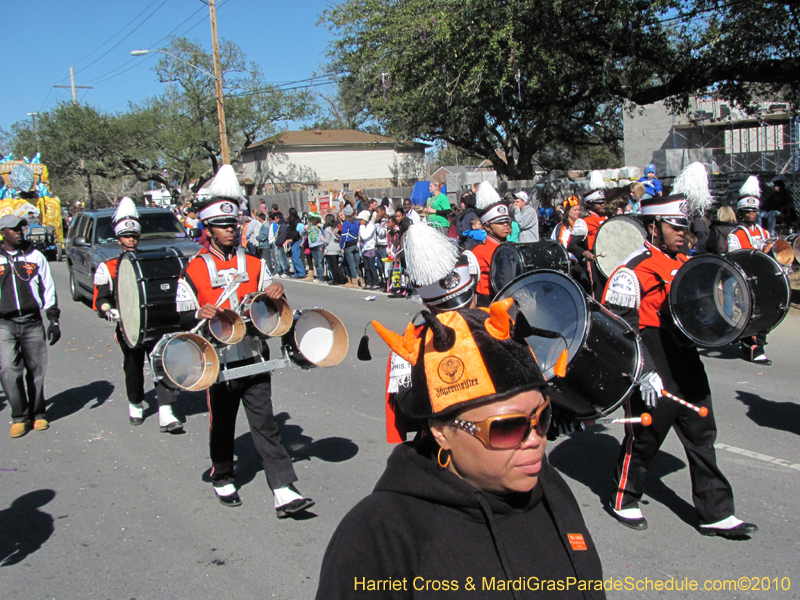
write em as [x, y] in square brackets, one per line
[71, 401]
[24, 528]
[590, 458]
[783, 416]
[729, 352]
[297, 444]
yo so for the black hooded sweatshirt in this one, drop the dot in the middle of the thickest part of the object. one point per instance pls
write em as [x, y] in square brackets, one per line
[424, 532]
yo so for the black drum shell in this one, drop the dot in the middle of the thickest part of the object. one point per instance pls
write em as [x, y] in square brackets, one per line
[523, 258]
[157, 273]
[770, 290]
[605, 357]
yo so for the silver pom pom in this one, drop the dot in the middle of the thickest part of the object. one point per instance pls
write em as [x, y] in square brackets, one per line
[226, 184]
[429, 254]
[693, 183]
[486, 196]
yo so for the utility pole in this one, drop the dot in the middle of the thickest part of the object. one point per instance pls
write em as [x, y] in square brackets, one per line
[223, 136]
[72, 85]
[33, 118]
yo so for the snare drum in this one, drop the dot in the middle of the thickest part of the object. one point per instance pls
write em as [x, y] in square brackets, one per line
[184, 361]
[604, 353]
[509, 261]
[317, 338]
[145, 294]
[717, 300]
[265, 316]
[794, 241]
[617, 238]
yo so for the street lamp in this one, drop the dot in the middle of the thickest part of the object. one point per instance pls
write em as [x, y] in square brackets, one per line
[223, 136]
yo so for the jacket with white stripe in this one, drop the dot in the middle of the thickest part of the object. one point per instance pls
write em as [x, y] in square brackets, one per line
[26, 284]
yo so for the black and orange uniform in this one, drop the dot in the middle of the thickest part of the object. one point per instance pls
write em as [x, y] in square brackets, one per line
[132, 358]
[593, 222]
[202, 282]
[750, 236]
[484, 252]
[637, 291]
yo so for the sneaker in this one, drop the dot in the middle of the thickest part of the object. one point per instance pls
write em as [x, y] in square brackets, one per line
[41, 425]
[19, 429]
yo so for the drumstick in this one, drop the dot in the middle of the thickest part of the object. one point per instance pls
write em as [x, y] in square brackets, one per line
[602, 254]
[702, 410]
[229, 291]
[645, 420]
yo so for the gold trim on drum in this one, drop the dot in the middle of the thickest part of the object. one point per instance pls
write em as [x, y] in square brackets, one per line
[278, 320]
[174, 371]
[318, 338]
[227, 327]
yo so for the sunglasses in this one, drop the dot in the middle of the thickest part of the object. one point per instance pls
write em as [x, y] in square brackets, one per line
[508, 432]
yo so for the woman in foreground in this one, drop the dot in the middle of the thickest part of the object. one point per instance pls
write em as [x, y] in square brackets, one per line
[472, 505]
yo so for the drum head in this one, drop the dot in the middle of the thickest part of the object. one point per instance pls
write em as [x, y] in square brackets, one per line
[710, 300]
[506, 266]
[270, 317]
[783, 252]
[770, 291]
[550, 300]
[227, 327]
[128, 301]
[320, 337]
[617, 238]
[794, 241]
[189, 362]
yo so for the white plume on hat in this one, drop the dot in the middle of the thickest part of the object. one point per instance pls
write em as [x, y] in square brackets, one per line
[486, 196]
[126, 209]
[226, 184]
[596, 181]
[429, 254]
[693, 184]
[751, 187]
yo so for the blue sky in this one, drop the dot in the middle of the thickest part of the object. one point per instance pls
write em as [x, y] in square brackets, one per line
[42, 38]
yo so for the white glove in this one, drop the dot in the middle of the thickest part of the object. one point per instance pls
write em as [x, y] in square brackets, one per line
[112, 314]
[650, 385]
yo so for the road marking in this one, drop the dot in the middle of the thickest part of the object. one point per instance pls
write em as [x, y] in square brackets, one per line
[758, 456]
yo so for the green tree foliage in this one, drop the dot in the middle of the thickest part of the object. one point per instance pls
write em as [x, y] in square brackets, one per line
[536, 77]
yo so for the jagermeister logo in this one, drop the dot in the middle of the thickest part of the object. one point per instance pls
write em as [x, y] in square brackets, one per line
[451, 369]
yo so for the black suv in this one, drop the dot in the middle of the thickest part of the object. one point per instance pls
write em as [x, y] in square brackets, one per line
[91, 241]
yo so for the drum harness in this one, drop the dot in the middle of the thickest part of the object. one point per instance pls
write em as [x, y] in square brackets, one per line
[251, 347]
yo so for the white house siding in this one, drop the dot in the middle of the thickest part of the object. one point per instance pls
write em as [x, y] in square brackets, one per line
[318, 164]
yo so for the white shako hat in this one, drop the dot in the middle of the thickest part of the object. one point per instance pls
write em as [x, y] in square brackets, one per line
[596, 197]
[126, 219]
[488, 200]
[222, 207]
[673, 209]
[749, 195]
[443, 279]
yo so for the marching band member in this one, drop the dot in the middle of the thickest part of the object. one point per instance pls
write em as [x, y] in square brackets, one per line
[127, 230]
[750, 235]
[637, 291]
[496, 221]
[199, 289]
[596, 206]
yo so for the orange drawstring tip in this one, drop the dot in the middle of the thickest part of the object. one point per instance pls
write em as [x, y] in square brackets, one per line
[560, 369]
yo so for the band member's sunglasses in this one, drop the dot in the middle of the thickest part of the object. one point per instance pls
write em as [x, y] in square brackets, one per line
[508, 432]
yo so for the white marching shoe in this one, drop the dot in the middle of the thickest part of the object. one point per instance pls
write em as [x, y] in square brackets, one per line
[167, 421]
[136, 413]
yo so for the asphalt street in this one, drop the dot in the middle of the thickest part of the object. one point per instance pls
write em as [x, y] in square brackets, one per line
[94, 508]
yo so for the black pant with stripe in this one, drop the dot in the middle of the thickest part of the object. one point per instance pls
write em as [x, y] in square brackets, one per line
[223, 404]
[133, 367]
[683, 375]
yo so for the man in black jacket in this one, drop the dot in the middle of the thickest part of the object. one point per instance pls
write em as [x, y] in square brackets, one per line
[26, 288]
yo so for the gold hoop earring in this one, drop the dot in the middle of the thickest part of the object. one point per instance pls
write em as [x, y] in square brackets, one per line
[439, 458]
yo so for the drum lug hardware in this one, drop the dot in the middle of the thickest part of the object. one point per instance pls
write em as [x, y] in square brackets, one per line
[631, 334]
[629, 377]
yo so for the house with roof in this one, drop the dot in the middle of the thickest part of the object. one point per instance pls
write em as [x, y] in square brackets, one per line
[341, 159]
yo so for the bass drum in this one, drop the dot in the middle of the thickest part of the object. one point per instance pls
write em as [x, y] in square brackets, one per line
[145, 294]
[617, 238]
[604, 358]
[717, 300]
[184, 361]
[317, 338]
[509, 261]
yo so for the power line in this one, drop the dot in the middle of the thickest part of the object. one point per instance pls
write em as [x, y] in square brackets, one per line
[124, 38]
